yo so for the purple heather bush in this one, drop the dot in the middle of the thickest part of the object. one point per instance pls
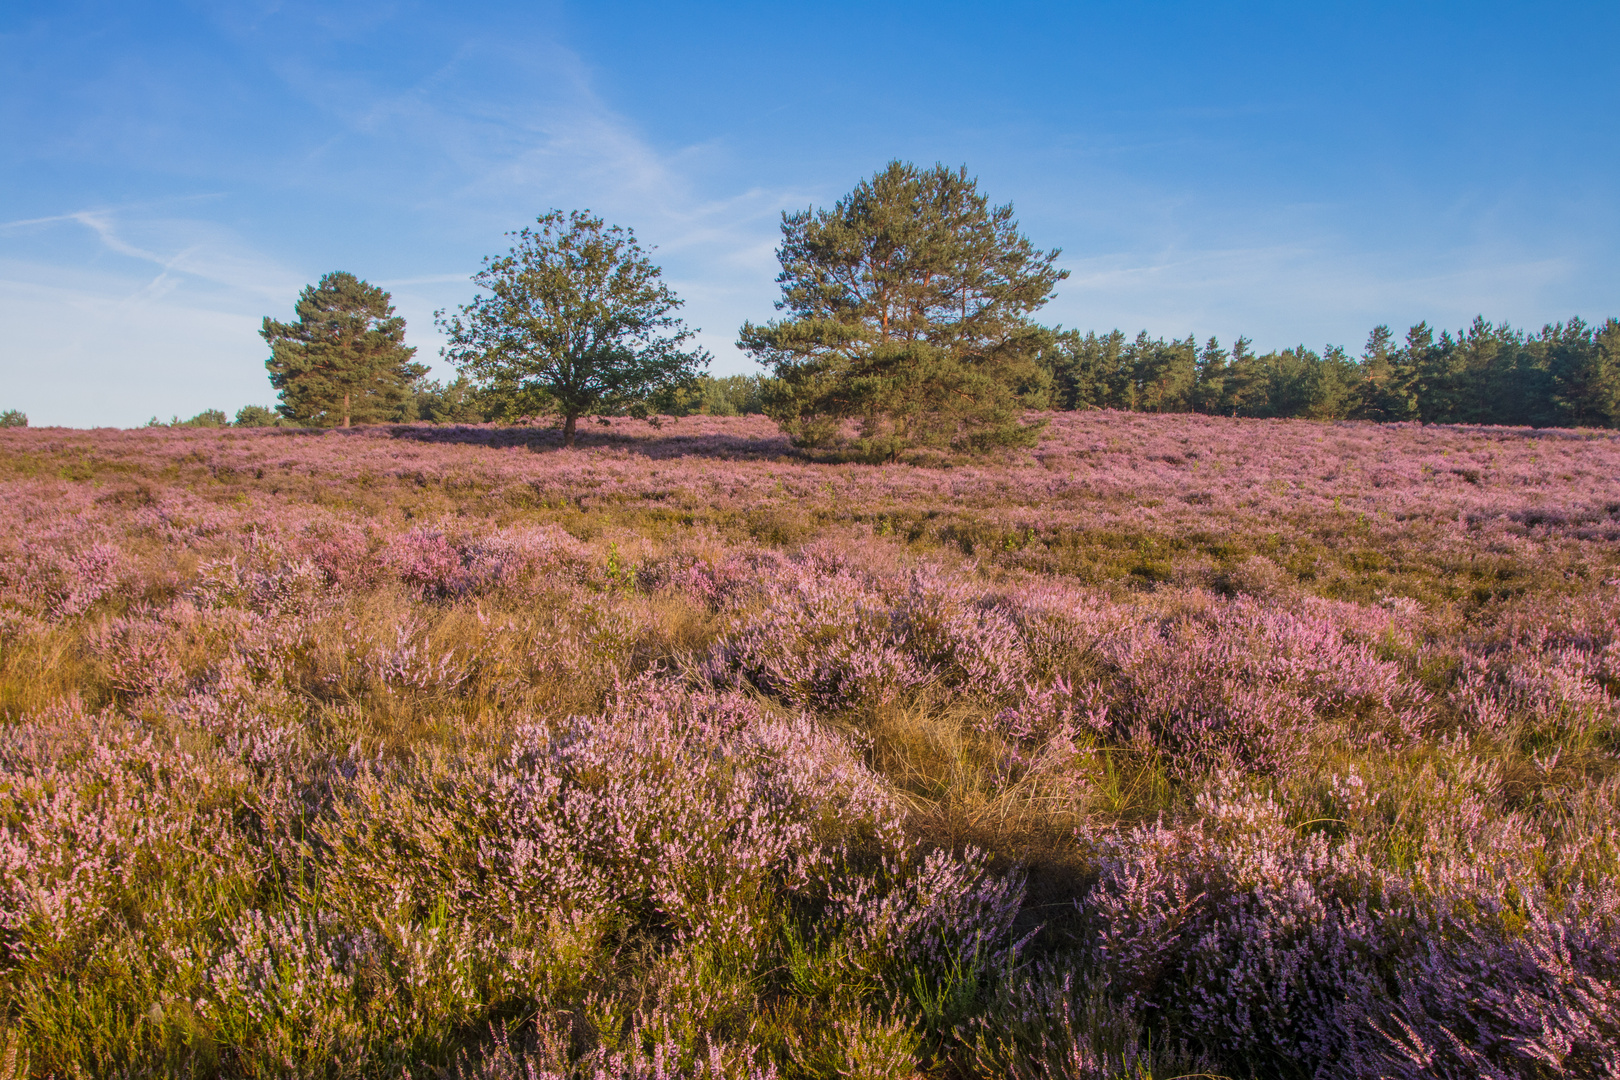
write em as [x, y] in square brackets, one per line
[1179, 745]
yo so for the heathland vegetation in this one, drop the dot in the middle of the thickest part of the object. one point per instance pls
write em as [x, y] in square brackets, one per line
[1178, 745]
[924, 708]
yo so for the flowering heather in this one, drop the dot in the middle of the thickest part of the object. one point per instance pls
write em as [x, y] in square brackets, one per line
[1175, 745]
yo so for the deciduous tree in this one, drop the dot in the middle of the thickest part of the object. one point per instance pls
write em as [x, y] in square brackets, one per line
[575, 320]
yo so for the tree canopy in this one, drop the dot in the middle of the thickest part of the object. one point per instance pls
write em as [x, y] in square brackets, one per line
[908, 309]
[575, 320]
[345, 359]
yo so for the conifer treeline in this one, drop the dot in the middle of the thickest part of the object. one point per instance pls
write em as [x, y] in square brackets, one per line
[1568, 374]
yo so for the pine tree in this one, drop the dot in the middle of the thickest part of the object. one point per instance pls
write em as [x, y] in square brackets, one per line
[1247, 388]
[1210, 384]
[1584, 368]
[1165, 373]
[1433, 364]
[1086, 372]
[1382, 394]
[908, 311]
[1332, 386]
[1289, 379]
[345, 359]
[1604, 386]
[576, 321]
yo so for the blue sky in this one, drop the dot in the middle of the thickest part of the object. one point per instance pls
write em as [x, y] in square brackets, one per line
[1292, 172]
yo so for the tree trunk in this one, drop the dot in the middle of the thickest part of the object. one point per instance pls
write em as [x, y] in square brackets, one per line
[345, 409]
[568, 431]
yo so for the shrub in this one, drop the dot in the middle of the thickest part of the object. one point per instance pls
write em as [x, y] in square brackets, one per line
[256, 416]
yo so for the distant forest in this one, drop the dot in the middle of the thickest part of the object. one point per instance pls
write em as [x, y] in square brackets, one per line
[1567, 375]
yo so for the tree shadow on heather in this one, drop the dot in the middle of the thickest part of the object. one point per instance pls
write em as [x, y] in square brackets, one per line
[661, 443]
[664, 443]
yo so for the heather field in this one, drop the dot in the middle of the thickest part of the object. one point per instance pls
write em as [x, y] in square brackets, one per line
[1175, 746]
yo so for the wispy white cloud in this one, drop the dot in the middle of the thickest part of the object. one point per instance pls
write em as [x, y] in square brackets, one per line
[166, 304]
[98, 338]
[503, 131]
[179, 247]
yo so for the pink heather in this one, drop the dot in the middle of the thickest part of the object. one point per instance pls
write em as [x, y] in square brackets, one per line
[1179, 744]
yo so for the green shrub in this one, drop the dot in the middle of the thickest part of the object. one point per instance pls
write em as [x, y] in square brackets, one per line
[257, 416]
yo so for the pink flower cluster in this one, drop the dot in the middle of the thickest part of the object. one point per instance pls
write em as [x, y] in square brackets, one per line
[1205, 681]
[1469, 961]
